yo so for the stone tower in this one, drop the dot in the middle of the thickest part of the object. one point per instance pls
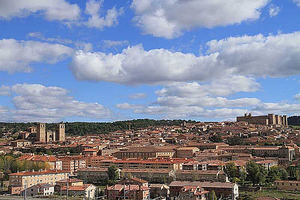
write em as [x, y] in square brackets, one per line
[41, 132]
[60, 133]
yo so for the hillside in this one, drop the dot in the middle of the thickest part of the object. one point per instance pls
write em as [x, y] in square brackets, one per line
[294, 121]
[83, 128]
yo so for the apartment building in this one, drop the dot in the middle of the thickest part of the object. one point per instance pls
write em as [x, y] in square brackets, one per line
[285, 152]
[92, 175]
[287, 185]
[72, 163]
[75, 187]
[134, 192]
[21, 180]
[192, 193]
[226, 190]
[21, 143]
[186, 152]
[145, 152]
[173, 164]
[201, 175]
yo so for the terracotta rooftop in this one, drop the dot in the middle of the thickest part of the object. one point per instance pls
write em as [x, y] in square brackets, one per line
[38, 173]
[76, 188]
[202, 184]
[120, 187]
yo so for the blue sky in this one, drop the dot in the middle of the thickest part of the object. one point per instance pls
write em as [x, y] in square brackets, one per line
[107, 60]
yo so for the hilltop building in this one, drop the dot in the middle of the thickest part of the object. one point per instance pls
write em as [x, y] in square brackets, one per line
[269, 119]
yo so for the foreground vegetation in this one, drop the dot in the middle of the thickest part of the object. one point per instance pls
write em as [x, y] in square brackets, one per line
[11, 164]
[270, 193]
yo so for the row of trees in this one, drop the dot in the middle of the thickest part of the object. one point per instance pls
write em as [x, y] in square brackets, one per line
[10, 164]
[294, 120]
[82, 128]
[255, 173]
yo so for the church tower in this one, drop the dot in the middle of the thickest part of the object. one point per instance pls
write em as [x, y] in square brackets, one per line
[41, 133]
[60, 133]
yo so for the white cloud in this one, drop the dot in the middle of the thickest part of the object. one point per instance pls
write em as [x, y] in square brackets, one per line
[135, 66]
[35, 102]
[273, 10]
[5, 90]
[274, 55]
[51, 9]
[297, 2]
[95, 20]
[125, 106]
[256, 56]
[137, 96]
[169, 18]
[220, 87]
[195, 101]
[85, 46]
[297, 96]
[3, 112]
[61, 10]
[40, 36]
[16, 56]
[114, 43]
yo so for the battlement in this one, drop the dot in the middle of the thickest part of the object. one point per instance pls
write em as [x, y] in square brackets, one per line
[269, 119]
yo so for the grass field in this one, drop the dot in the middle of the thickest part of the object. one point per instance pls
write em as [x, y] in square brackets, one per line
[296, 127]
[272, 193]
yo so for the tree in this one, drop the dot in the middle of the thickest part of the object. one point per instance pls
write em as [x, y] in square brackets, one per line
[243, 175]
[277, 173]
[194, 176]
[212, 195]
[113, 174]
[235, 140]
[256, 173]
[231, 171]
[216, 138]
[294, 172]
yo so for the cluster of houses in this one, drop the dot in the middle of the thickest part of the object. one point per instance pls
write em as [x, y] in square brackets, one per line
[168, 161]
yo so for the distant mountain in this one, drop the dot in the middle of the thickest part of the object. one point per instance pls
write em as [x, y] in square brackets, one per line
[294, 120]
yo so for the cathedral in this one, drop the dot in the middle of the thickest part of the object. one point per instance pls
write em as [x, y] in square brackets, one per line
[48, 136]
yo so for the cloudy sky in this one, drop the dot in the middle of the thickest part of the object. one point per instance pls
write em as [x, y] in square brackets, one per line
[108, 60]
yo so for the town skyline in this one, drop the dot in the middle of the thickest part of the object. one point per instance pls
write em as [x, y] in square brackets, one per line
[105, 61]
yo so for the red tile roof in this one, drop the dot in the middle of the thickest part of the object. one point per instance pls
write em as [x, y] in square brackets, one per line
[38, 173]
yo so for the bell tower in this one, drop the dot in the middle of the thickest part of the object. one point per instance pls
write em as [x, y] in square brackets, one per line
[60, 133]
[41, 133]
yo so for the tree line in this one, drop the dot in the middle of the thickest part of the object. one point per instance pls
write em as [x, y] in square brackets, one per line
[256, 174]
[83, 128]
[294, 120]
[11, 164]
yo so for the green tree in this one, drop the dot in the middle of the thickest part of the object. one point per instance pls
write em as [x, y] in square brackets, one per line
[235, 140]
[256, 173]
[277, 173]
[231, 171]
[216, 138]
[243, 175]
[113, 174]
[212, 195]
[294, 172]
